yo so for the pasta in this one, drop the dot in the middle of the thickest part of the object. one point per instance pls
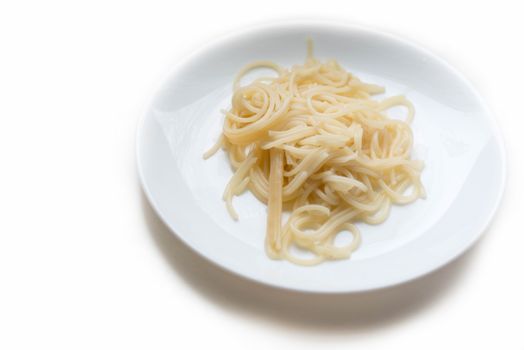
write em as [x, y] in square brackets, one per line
[312, 142]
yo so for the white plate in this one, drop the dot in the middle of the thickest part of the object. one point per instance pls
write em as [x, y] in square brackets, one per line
[454, 134]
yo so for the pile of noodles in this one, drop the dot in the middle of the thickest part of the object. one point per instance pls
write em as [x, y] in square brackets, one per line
[311, 140]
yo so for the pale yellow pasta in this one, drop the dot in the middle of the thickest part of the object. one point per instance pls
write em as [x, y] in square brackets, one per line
[311, 140]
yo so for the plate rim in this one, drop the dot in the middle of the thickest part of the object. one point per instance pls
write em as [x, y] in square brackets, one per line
[237, 33]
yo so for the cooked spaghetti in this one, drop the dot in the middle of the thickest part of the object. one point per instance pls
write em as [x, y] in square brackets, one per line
[312, 141]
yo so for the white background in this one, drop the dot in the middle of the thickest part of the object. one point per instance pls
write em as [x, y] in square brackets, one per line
[86, 264]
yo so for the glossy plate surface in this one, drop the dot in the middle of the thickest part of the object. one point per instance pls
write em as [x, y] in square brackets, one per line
[454, 134]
